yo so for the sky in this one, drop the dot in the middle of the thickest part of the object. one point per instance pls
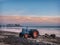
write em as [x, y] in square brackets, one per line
[33, 8]
[31, 12]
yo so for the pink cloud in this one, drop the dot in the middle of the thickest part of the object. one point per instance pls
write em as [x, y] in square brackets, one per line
[20, 19]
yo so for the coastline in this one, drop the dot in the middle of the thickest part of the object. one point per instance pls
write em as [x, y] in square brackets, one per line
[42, 31]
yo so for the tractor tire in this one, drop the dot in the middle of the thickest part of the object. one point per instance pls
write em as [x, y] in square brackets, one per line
[25, 35]
[35, 34]
[20, 35]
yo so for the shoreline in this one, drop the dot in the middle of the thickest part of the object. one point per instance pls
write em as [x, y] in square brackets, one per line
[41, 31]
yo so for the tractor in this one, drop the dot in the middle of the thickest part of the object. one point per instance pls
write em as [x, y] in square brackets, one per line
[29, 33]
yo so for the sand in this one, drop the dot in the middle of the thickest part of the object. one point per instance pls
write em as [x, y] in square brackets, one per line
[12, 38]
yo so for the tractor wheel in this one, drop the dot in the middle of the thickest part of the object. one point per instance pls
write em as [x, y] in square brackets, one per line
[35, 34]
[26, 35]
[20, 35]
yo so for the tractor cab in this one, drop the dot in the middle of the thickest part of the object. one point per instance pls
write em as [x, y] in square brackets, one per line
[25, 31]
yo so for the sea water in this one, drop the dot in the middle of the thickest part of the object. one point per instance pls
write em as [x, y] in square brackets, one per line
[42, 30]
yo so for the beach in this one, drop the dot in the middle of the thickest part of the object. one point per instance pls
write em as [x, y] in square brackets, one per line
[12, 38]
[29, 22]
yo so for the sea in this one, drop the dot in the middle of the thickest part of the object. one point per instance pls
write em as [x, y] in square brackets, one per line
[42, 29]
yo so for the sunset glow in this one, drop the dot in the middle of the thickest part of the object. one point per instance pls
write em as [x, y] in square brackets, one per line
[20, 19]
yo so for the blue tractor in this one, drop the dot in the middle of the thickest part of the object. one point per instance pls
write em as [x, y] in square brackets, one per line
[27, 33]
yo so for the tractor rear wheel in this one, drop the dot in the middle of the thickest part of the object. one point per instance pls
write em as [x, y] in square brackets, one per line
[35, 34]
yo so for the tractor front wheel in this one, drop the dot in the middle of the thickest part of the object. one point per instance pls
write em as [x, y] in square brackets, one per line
[20, 35]
[25, 35]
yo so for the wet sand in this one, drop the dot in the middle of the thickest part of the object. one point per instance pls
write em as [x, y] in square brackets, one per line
[11, 38]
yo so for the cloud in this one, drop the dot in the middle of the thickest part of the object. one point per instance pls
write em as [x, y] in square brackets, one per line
[22, 19]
